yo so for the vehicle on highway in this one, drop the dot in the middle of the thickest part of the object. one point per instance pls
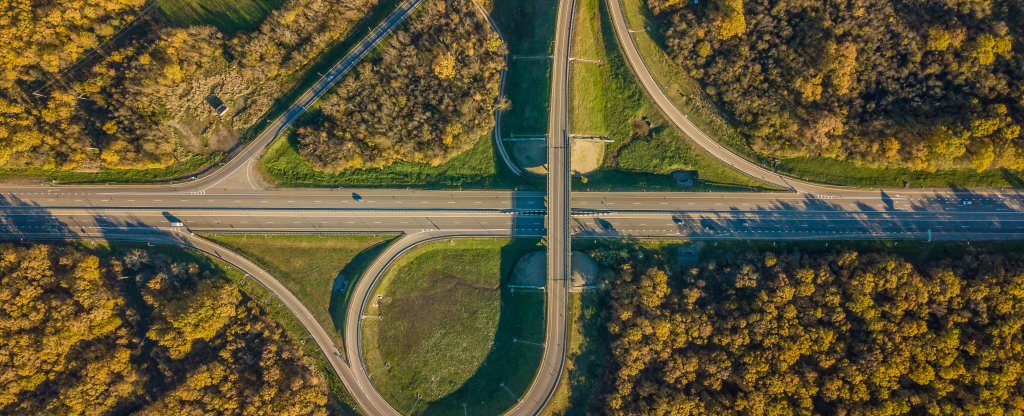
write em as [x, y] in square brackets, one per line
[356, 197]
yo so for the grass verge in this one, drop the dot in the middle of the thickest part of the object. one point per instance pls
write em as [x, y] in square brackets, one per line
[478, 167]
[339, 401]
[319, 270]
[688, 96]
[606, 100]
[452, 340]
[180, 170]
[587, 350]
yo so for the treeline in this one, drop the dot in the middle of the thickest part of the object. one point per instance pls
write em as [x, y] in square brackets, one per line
[83, 334]
[838, 333]
[430, 94]
[924, 84]
[108, 84]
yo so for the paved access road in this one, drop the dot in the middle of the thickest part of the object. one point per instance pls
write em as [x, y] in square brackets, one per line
[233, 199]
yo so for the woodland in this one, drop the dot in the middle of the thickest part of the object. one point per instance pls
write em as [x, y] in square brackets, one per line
[922, 84]
[88, 85]
[839, 332]
[87, 332]
[429, 94]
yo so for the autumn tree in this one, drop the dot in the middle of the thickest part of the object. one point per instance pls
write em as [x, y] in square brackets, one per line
[874, 82]
[842, 332]
[430, 95]
[90, 332]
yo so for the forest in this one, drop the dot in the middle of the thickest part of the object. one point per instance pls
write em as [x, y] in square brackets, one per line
[922, 84]
[838, 333]
[87, 85]
[430, 94]
[91, 333]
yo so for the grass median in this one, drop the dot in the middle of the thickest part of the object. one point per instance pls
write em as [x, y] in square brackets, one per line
[451, 338]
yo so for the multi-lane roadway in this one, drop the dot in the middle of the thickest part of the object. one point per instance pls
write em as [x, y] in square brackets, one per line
[233, 199]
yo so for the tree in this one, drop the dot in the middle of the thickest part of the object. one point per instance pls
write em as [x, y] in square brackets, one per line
[837, 332]
[886, 70]
[80, 337]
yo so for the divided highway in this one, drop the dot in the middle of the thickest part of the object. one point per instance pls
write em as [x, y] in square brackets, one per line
[232, 199]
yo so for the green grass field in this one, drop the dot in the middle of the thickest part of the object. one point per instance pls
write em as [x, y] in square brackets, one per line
[606, 99]
[689, 97]
[319, 270]
[181, 170]
[446, 344]
[227, 15]
[339, 400]
[529, 30]
[478, 167]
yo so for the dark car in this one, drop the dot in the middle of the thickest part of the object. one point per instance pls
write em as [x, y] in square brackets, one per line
[356, 197]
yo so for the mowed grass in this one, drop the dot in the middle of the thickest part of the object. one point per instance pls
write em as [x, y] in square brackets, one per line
[476, 168]
[339, 400]
[227, 15]
[688, 96]
[319, 270]
[446, 343]
[606, 99]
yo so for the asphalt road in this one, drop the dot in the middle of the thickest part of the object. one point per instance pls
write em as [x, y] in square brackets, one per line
[559, 235]
[233, 199]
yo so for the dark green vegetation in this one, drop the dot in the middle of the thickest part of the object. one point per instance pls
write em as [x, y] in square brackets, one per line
[227, 15]
[450, 334]
[128, 329]
[529, 29]
[318, 270]
[919, 85]
[608, 101]
[880, 328]
[428, 95]
[79, 94]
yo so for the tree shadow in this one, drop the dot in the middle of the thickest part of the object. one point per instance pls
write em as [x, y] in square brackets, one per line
[507, 371]
[341, 289]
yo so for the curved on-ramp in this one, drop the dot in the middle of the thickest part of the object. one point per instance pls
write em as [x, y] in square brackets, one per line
[682, 122]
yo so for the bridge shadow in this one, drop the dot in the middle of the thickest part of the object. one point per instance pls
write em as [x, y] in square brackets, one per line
[528, 211]
[22, 220]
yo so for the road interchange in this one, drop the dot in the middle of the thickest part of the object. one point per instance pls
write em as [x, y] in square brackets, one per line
[231, 199]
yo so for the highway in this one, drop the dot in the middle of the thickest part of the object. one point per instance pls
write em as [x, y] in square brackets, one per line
[558, 236]
[233, 198]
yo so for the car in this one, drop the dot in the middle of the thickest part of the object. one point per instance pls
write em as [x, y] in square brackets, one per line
[356, 197]
[177, 224]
